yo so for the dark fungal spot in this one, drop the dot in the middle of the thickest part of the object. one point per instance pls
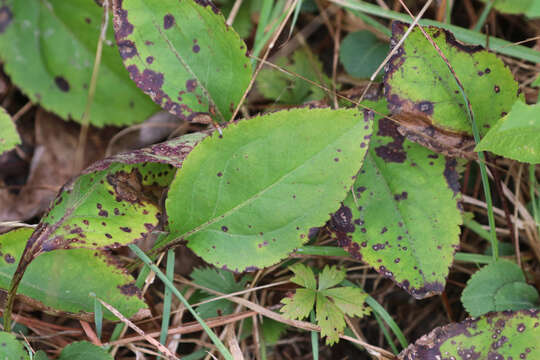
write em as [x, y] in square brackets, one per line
[402, 196]
[127, 49]
[86, 222]
[196, 48]
[125, 229]
[5, 18]
[168, 21]
[87, 20]
[9, 258]
[122, 27]
[426, 107]
[451, 175]
[393, 151]
[497, 89]
[103, 213]
[62, 83]
[336, 159]
[208, 3]
[129, 289]
[384, 229]
[191, 85]
[220, 174]
[487, 71]
[341, 221]
[109, 236]
[149, 59]
[224, 228]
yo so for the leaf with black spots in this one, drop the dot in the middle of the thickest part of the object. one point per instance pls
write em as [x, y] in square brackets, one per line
[403, 211]
[60, 281]
[423, 94]
[115, 201]
[501, 335]
[183, 55]
[48, 50]
[264, 184]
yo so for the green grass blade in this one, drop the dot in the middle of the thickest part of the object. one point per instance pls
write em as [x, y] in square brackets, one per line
[498, 45]
[167, 298]
[381, 311]
[98, 317]
[483, 16]
[221, 347]
[386, 333]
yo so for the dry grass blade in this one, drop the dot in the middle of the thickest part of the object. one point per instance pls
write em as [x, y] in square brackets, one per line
[138, 330]
[381, 353]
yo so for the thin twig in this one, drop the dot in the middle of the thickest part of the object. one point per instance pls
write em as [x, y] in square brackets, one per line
[83, 135]
[139, 331]
[259, 67]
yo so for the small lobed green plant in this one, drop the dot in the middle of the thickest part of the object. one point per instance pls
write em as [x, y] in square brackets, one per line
[382, 177]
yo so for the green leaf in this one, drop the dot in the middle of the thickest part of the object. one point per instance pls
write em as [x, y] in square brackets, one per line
[11, 347]
[506, 335]
[421, 89]
[264, 184]
[536, 83]
[48, 49]
[330, 276]
[516, 296]
[303, 276]
[331, 305]
[41, 355]
[361, 53]
[490, 289]
[84, 350]
[530, 8]
[9, 137]
[272, 330]
[350, 300]
[183, 55]
[299, 305]
[329, 318]
[291, 89]
[517, 135]
[61, 281]
[403, 219]
[219, 280]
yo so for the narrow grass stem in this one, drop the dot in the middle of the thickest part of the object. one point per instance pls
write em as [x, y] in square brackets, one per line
[498, 45]
[221, 347]
[167, 298]
[483, 16]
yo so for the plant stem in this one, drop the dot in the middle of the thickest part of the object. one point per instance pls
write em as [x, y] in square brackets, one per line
[221, 347]
[498, 45]
[314, 337]
[535, 204]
